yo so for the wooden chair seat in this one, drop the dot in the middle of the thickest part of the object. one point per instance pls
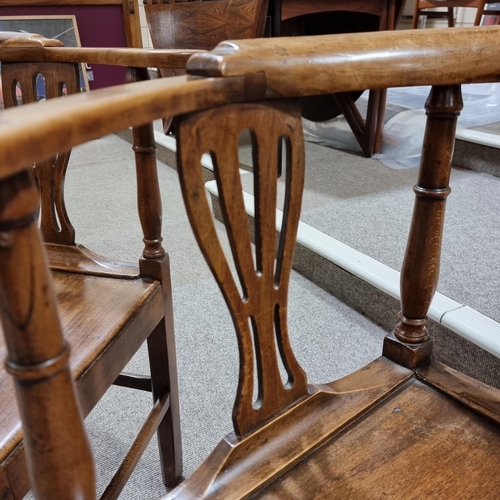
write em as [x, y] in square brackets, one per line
[372, 434]
[113, 319]
[408, 443]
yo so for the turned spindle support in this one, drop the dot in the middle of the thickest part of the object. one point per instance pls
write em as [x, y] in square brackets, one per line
[410, 344]
[148, 190]
[155, 264]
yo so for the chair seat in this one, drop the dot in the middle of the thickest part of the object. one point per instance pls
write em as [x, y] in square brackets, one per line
[97, 330]
[373, 434]
[417, 433]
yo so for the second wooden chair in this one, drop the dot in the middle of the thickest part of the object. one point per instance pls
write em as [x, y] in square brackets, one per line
[201, 25]
[108, 309]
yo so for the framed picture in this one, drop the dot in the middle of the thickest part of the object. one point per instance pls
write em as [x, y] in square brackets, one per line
[101, 23]
[63, 28]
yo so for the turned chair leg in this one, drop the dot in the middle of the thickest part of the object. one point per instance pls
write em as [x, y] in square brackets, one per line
[155, 264]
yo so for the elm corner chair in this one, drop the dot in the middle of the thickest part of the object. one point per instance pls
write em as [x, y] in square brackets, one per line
[405, 425]
[107, 309]
[321, 17]
[201, 25]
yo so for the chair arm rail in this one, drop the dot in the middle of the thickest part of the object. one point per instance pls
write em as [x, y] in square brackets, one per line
[349, 62]
[83, 117]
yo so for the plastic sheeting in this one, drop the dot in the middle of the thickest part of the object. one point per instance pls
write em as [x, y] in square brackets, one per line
[405, 122]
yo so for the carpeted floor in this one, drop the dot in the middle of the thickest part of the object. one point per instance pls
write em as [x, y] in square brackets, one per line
[368, 206]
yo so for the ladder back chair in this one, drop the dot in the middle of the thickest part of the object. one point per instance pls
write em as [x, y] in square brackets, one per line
[107, 309]
[405, 425]
[201, 25]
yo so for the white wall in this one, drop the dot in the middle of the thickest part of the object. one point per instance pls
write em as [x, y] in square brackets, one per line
[146, 39]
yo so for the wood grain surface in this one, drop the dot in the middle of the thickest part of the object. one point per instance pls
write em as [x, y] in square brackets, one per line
[417, 444]
[240, 468]
[342, 63]
[98, 298]
[203, 24]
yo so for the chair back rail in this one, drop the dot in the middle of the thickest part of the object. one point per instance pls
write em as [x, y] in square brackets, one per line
[249, 73]
[342, 63]
[139, 58]
[382, 59]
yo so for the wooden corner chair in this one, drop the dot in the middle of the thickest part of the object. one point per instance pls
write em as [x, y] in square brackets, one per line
[107, 309]
[201, 25]
[427, 8]
[405, 425]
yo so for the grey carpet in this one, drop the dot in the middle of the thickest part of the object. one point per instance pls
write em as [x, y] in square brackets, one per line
[368, 206]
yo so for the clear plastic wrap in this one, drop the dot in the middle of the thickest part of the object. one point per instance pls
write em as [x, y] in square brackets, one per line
[405, 122]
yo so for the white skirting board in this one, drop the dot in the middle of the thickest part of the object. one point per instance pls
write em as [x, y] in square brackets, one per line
[478, 137]
[459, 318]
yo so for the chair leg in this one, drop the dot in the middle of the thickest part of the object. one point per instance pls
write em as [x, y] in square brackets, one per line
[372, 124]
[379, 126]
[479, 15]
[451, 19]
[162, 360]
[416, 16]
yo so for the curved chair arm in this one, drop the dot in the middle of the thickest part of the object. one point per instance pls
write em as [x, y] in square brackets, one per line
[343, 63]
[245, 71]
[18, 47]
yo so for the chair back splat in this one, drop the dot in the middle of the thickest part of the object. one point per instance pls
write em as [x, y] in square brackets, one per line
[403, 426]
[259, 312]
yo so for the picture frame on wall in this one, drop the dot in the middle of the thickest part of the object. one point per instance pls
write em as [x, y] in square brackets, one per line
[63, 28]
[101, 24]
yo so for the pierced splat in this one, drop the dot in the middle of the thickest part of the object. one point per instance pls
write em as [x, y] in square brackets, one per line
[57, 79]
[260, 315]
